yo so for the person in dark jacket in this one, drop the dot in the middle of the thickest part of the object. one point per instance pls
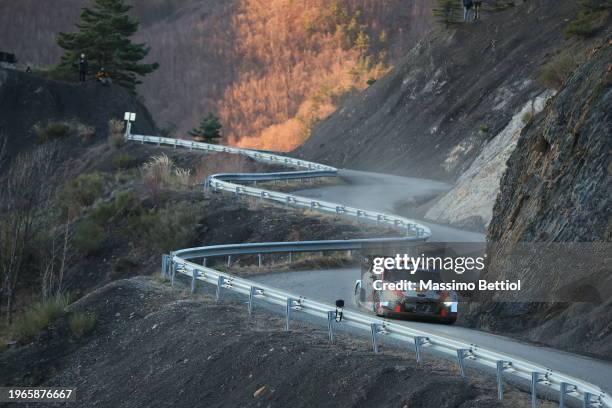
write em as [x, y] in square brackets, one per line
[83, 65]
[467, 8]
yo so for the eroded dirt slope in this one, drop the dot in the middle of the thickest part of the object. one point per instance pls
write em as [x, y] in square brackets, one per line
[153, 347]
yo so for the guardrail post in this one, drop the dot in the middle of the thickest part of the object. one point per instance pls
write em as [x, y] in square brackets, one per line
[194, 277]
[501, 366]
[229, 261]
[252, 293]
[461, 355]
[535, 379]
[588, 401]
[377, 328]
[172, 272]
[418, 343]
[374, 329]
[164, 266]
[288, 310]
[331, 318]
[290, 256]
[159, 141]
[565, 389]
[175, 142]
[220, 283]
[259, 260]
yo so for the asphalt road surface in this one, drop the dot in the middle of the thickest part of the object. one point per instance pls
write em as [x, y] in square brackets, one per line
[381, 192]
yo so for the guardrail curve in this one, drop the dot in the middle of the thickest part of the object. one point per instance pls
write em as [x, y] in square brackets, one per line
[183, 262]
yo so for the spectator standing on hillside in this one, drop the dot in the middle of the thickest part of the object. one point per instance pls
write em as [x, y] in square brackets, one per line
[477, 8]
[83, 68]
[467, 8]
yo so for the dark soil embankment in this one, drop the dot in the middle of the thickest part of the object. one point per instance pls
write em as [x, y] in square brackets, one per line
[452, 93]
[154, 347]
[28, 99]
[557, 189]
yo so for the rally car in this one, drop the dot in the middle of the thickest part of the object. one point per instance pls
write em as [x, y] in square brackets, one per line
[418, 304]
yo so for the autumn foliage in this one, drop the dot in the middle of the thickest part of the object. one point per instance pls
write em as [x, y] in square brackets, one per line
[270, 68]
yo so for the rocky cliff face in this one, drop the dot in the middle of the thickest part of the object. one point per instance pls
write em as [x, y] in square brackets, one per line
[557, 189]
[469, 204]
[451, 95]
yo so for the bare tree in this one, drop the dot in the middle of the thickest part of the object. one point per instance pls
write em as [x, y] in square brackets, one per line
[26, 188]
[55, 259]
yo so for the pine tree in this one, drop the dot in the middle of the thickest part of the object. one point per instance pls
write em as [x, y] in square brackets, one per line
[104, 37]
[447, 12]
[209, 130]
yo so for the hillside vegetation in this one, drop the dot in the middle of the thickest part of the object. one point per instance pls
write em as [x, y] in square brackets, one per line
[270, 69]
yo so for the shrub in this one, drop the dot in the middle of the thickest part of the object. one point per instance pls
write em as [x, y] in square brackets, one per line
[124, 161]
[124, 202]
[51, 131]
[558, 70]
[86, 133]
[37, 316]
[115, 133]
[81, 323]
[88, 236]
[527, 117]
[82, 191]
[593, 16]
[484, 128]
[169, 228]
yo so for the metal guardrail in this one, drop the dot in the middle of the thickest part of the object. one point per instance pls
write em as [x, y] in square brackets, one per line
[182, 262]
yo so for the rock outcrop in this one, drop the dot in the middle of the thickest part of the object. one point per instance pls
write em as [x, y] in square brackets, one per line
[557, 189]
[469, 203]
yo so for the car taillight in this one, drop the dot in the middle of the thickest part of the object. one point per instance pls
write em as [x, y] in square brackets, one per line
[397, 308]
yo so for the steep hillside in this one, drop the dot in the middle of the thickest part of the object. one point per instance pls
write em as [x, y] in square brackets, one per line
[449, 97]
[27, 100]
[269, 68]
[153, 346]
[557, 189]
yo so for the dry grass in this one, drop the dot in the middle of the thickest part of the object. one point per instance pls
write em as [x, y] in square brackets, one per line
[115, 133]
[161, 173]
[81, 323]
[37, 317]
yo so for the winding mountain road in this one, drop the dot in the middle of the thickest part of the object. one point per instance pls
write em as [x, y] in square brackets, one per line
[370, 192]
[381, 192]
